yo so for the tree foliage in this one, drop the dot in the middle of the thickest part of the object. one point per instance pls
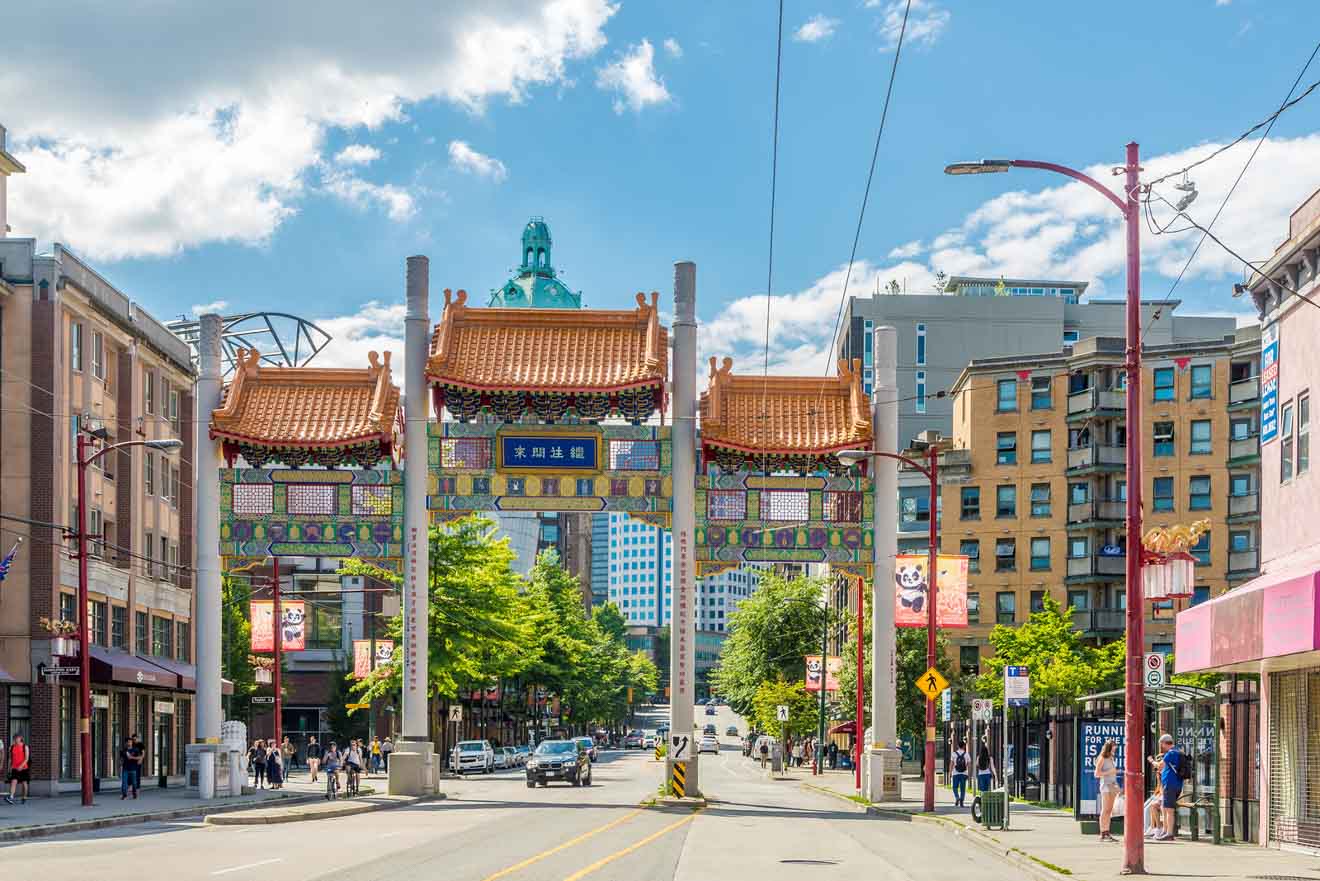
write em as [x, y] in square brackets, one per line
[236, 642]
[803, 707]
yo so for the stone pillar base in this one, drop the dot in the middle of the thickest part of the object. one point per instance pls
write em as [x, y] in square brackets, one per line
[414, 769]
[222, 766]
[884, 775]
[691, 787]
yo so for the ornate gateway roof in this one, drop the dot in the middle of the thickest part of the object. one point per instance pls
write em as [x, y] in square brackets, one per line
[594, 361]
[305, 415]
[796, 421]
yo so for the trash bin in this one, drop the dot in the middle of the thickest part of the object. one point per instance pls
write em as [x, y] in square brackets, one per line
[992, 809]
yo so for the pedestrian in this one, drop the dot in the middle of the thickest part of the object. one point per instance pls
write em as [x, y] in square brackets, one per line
[985, 769]
[834, 755]
[257, 762]
[375, 755]
[961, 761]
[386, 748]
[275, 769]
[765, 751]
[20, 769]
[290, 753]
[1151, 810]
[128, 766]
[1106, 771]
[313, 756]
[1172, 769]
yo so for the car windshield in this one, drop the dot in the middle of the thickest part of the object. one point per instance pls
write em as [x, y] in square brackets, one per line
[471, 746]
[556, 747]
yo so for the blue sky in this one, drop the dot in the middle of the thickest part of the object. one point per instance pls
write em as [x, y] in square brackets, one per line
[262, 160]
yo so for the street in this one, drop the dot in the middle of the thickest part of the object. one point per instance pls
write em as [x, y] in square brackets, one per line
[492, 827]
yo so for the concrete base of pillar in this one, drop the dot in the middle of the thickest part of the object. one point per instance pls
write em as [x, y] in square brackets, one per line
[213, 770]
[884, 775]
[691, 787]
[414, 769]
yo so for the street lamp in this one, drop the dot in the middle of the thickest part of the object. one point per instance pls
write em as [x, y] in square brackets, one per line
[931, 470]
[85, 440]
[1135, 714]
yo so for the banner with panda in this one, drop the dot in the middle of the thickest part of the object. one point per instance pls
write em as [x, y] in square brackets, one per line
[911, 590]
[293, 633]
[363, 663]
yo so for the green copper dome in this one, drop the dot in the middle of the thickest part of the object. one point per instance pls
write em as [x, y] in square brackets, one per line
[535, 286]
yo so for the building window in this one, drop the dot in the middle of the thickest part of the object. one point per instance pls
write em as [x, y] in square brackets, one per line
[913, 508]
[1006, 555]
[971, 503]
[1006, 448]
[1037, 601]
[1164, 384]
[1200, 593]
[971, 549]
[1040, 446]
[1006, 402]
[1198, 493]
[1239, 485]
[174, 409]
[1079, 599]
[921, 391]
[1040, 500]
[140, 634]
[1005, 607]
[1006, 501]
[183, 641]
[1078, 547]
[1239, 541]
[1286, 444]
[98, 355]
[162, 637]
[1163, 435]
[118, 627]
[1041, 398]
[1201, 550]
[98, 621]
[1040, 555]
[973, 608]
[164, 557]
[149, 547]
[1071, 336]
[1303, 433]
[1163, 494]
[1202, 381]
[1079, 493]
[149, 391]
[921, 345]
[969, 659]
[149, 472]
[76, 346]
[1200, 437]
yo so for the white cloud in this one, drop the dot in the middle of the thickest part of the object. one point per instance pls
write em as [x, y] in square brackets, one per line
[464, 158]
[376, 327]
[357, 154]
[1223, 2]
[926, 22]
[906, 250]
[673, 48]
[217, 306]
[818, 27]
[395, 201]
[632, 75]
[212, 137]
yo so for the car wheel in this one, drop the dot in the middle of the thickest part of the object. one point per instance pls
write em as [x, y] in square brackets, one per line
[545, 782]
[531, 784]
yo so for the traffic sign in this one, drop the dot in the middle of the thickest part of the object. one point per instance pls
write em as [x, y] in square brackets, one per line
[1017, 686]
[781, 713]
[263, 699]
[361, 706]
[1154, 670]
[455, 714]
[946, 706]
[982, 709]
[931, 683]
[62, 671]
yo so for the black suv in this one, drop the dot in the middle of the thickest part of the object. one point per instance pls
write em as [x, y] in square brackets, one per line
[563, 760]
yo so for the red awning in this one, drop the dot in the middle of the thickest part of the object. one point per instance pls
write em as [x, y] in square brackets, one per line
[184, 675]
[849, 727]
[123, 668]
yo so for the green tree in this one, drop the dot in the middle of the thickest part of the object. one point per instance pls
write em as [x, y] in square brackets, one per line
[803, 707]
[661, 644]
[236, 643]
[344, 723]
[611, 621]
[910, 663]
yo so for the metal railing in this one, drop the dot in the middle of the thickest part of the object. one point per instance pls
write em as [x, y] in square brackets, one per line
[1095, 399]
[1097, 564]
[1099, 620]
[1243, 447]
[1096, 454]
[1248, 503]
[1244, 390]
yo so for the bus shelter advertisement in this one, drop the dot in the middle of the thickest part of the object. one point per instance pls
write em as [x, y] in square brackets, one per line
[1091, 736]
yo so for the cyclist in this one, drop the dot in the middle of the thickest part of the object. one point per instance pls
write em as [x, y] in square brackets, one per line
[353, 762]
[330, 764]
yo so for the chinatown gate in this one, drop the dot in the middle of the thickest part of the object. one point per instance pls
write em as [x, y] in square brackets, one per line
[536, 410]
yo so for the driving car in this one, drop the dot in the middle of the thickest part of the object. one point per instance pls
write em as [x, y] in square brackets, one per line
[731, 731]
[633, 740]
[650, 741]
[472, 755]
[709, 729]
[708, 744]
[523, 751]
[563, 760]
[588, 744]
[501, 758]
[710, 710]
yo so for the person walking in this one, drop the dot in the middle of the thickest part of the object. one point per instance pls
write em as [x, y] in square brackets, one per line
[275, 768]
[313, 756]
[375, 755]
[386, 747]
[290, 753]
[20, 769]
[765, 752]
[834, 755]
[1106, 771]
[961, 764]
[1172, 770]
[985, 769]
[129, 761]
[257, 762]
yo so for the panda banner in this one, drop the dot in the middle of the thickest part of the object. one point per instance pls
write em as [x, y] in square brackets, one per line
[912, 590]
[293, 633]
[829, 668]
[363, 663]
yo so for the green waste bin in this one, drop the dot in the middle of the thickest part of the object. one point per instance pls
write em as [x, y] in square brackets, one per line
[992, 809]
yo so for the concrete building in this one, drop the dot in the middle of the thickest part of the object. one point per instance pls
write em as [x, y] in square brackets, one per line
[1033, 488]
[939, 333]
[79, 355]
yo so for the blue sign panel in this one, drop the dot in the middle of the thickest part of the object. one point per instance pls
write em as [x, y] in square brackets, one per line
[1091, 737]
[547, 452]
[1269, 383]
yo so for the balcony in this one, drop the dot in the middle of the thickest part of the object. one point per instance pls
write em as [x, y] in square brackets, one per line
[1094, 399]
[1244, 505]
[1096, 456]
[1244, 562]
[1244, 449]
[1100, 622]
[1097, 509]
[1244, 391]
[1096, 567]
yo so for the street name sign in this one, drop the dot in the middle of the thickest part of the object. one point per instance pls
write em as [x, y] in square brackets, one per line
[931, 683]
[946, 706]
[63, 671]
[263, 699]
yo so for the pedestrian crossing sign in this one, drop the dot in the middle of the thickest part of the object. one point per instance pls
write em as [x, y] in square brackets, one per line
[931, 683]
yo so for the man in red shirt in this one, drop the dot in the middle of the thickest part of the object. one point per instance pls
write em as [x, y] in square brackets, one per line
[20, 771]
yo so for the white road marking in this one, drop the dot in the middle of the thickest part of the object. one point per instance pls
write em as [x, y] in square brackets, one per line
[247, 866]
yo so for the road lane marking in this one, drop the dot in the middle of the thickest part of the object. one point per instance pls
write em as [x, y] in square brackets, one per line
[567, 844]
[247, 866]
[605, 861]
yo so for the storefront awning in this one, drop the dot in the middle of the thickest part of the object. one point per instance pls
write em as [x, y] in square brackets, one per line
[184, 675]
[1272, 620]
[844, 728]
[122, 668]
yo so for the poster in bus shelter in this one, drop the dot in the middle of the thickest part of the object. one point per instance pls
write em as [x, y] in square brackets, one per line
[363, 663]
[293, 635]
[1091, 737]
[912, 590]
[830, 669]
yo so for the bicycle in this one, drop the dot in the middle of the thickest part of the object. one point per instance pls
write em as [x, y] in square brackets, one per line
[331, 784]
[351, 786]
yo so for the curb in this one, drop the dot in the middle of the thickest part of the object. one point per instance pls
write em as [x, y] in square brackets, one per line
[1018, 858]
[671, 801]
[343, 808]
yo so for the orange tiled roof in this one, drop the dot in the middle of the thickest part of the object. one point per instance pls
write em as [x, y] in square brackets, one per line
[548, 350]
[307, 406]
[804, 415]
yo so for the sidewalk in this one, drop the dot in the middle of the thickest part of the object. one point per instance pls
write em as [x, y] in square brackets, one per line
[65, 813]
[1052, 842]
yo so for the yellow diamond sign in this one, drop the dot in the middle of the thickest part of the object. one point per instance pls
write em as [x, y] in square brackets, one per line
[931, 683]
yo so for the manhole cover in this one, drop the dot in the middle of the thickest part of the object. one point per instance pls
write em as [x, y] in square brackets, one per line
[816, 863]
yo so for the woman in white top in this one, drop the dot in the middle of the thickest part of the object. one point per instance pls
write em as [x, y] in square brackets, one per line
[1106, 771]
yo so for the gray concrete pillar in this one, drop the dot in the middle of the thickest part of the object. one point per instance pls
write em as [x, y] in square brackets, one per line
[416, 548]
[206, 520]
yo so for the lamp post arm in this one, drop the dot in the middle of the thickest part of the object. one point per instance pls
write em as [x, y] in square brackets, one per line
[1073, 173]
[912, 463]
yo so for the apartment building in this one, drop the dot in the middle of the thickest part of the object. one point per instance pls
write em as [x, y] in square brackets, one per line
[1034, 492]
[81, 358]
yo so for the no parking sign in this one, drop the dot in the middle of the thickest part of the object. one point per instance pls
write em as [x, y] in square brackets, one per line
[1154, 670]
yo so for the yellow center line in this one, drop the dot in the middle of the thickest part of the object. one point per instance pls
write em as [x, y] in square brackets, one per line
[605, 861]
[567, 844]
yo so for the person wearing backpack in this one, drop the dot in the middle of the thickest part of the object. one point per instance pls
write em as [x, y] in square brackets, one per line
[960, 763]
[1173, 771]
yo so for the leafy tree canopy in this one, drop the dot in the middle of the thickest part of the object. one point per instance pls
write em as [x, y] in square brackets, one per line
[803, 707]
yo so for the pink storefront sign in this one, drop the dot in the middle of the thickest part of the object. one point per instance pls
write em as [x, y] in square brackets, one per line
[1253, 623]
[1289, 617]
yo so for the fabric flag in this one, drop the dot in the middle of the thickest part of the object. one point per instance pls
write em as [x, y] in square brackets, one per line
[1023, 375]
[8, 559]
[1182, 364]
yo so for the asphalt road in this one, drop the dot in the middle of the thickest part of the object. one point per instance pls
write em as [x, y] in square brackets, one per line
[492, 827]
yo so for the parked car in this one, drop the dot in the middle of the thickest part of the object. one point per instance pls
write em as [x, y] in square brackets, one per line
[473, 755]
[709, 744]
[588, 744]
[565, 760]
[523, 751]
[633, 740]
[769, 744]
[650, 741]
[731, 731]
[709, 729]
[710, 710]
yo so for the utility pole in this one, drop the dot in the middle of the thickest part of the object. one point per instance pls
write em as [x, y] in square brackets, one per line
[277, 619]
[824, 680]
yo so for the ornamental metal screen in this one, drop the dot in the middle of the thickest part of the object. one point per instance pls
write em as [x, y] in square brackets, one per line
[369, 500]
[785, 505]
[256, 498]
[311, 499]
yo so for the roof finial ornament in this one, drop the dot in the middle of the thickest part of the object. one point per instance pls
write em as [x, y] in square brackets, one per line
[373, 358]
[641, 301]
[387, 354]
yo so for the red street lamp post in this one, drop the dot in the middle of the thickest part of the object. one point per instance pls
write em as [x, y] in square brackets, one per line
[85, 441]
[1134, 756]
